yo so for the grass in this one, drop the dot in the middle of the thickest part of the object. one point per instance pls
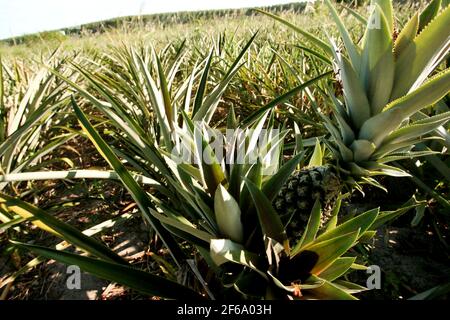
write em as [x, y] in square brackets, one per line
[138, 30]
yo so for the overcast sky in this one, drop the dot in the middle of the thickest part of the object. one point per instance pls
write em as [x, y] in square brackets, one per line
[18, 17]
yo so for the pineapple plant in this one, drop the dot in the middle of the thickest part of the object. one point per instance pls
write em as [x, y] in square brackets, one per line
[386, 80]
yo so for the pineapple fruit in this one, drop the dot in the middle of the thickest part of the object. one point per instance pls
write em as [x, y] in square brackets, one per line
[298, 194]
[385, 85]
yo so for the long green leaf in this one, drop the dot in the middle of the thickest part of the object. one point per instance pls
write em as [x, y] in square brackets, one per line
[397, 111]
[330, 250]
[351, 47]
[136, 279]
[270, 221]
[378, 69]
[338, 268]
[270, 187]
[49, 223]
[312, 38]
[428, 14]
[202, 85]
[361, 222]
[327, 291]
[411, 65]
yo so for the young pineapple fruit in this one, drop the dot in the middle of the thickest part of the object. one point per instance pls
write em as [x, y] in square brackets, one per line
[297, 197]
[384, 80]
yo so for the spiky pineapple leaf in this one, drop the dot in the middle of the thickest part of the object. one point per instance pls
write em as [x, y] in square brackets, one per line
[367, 236]
[202, 85]
[361, 222]
[357, 102]
[347, 133]
[349, 287]
[375, 168]
[359, 170]
[254, 175]
[186, 227]
[352, 49]
[362, 150]
[338, 268]
[332, 223]
[119, 117]
[397, 111]
[388, 12]
[377, 69]
[255, 116]
[312, 227]
[64, 244]
[314, 53]
[387, 216]
[411, 65]
[210, 102]
[232, 122]
[317, 156]
[434, 293]
[209, 165]
[406, 155]
[429, 13]
[345, 153]
[234, 186]
[354, 13]
[168, 108]
[417, 129]
[385, 150]
[440, 133]
[270, 187]
[292, 288]
[269, 219]
[328, 250]
[327, 291]
[407, 35]
[13, 222]
[312, 38]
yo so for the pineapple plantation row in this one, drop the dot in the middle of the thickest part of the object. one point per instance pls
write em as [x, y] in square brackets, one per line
[261, 164]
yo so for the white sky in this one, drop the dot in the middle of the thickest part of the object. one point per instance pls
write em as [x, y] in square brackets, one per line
[18, 17]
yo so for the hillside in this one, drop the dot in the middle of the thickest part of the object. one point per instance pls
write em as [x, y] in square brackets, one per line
[161, 20]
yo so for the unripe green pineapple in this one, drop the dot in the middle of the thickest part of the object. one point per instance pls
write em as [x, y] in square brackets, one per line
[296, 198]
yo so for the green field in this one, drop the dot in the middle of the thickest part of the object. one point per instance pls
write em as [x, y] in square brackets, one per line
[354, 172]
